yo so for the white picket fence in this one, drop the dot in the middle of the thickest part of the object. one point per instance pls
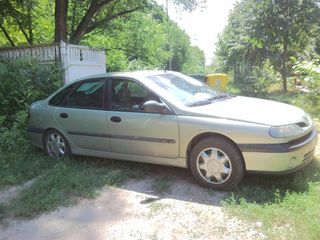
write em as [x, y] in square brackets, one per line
[44, 53]
[76, 61]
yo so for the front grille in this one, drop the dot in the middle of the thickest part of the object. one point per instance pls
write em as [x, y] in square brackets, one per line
[308, 156]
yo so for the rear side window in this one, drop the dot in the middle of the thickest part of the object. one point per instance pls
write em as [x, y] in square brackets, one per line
[57, 99]
[88, 95]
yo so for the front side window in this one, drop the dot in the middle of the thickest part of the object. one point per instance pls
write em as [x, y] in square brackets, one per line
[128, 95]
[88, 95]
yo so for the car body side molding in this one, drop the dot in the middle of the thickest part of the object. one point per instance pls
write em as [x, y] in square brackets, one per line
[136, 138]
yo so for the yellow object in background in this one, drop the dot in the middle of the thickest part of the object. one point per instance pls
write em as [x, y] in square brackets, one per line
[218, 81]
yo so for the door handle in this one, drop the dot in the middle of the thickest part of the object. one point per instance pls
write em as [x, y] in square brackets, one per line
[63, 115]
[115, 119]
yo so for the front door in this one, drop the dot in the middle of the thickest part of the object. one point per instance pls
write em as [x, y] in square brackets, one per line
[133, 131]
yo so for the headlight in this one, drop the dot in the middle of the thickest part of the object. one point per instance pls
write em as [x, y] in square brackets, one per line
[285, 131]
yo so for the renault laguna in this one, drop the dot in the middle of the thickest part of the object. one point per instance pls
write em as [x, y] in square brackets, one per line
[167, 118]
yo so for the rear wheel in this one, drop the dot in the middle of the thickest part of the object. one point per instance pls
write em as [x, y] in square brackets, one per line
[216, 163]
[55, 145]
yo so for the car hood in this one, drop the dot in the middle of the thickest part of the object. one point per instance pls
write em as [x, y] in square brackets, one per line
[252, 110]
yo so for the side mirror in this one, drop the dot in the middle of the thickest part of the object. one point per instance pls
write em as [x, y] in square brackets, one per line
[152, 106]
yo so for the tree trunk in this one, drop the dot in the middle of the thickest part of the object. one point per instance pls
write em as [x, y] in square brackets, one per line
[61, 9]
[30, 23]
[84, 24]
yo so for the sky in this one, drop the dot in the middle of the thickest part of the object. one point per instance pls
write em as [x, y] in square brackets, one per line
[203, 25]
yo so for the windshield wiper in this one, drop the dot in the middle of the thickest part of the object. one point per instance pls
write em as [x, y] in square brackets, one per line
[199, 103]
[209, 100]
[222, 95]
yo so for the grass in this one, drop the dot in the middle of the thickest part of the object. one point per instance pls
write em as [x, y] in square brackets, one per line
[18, 167]
[287, 206]
[59, 183]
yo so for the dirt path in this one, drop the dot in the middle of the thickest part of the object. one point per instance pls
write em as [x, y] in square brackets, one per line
[10, 193]
[137, 211]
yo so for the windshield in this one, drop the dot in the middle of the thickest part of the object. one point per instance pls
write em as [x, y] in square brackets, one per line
[185, 90]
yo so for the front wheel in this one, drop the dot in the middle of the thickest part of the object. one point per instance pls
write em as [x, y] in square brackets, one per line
[216, 163]
[55, 145]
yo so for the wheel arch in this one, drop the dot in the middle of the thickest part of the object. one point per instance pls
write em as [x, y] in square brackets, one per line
[201, 136]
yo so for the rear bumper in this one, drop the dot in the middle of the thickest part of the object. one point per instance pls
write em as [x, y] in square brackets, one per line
[280, 158]
[35, 136]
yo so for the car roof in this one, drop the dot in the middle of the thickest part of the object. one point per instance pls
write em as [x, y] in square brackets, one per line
[133, 74]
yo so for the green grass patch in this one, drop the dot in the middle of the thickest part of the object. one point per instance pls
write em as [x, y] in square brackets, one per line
[288, 206]
[18, 167]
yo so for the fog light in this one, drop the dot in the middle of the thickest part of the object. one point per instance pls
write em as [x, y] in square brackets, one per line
[292, 162]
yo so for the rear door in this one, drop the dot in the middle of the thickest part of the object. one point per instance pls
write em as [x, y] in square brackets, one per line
[82, 116]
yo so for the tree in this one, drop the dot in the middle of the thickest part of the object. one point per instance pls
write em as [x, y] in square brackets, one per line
[89, 15]
[30, 21]
[273, 30]
[142, 42]
[284, 27]
[195, 61]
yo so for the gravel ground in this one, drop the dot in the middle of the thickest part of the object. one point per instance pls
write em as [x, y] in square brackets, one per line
[167, 205]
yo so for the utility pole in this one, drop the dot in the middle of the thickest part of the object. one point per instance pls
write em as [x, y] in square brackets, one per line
[168, 34]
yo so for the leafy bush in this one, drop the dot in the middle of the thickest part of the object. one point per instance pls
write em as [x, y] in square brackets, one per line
[14, 139]
[23, 81]
[309, 74]
[255, 81]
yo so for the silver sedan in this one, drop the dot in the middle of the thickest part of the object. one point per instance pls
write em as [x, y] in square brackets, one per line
[167, 118]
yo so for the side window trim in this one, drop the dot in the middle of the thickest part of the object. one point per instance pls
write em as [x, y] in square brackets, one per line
[76, 85]
[69, 88]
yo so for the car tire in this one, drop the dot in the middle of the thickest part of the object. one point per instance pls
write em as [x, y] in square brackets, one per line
[55, 145]
[217, 163]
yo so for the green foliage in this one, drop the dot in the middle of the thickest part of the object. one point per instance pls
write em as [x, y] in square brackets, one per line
[15, 136]
[309, 74]
[195, 61]
[24, 82]
[20, 165]
[145, 42]
[258, 83]
[30, 21]
[26, 22]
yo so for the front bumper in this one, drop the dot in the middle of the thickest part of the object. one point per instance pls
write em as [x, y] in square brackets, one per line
[280, 158]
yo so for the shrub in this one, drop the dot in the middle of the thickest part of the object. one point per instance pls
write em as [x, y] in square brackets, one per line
[23, 81]
[309, 74]
[255, 81]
